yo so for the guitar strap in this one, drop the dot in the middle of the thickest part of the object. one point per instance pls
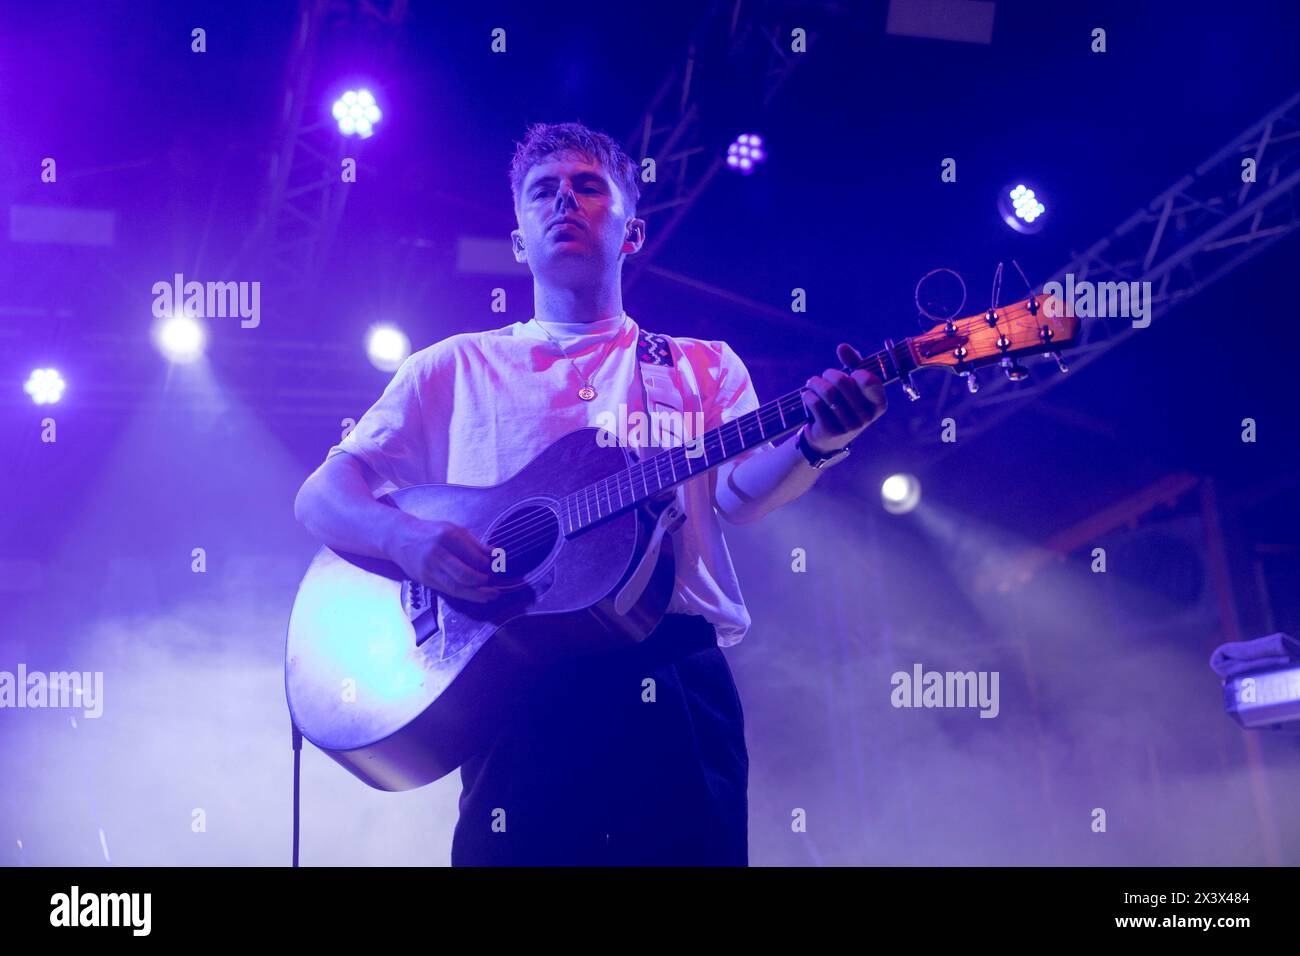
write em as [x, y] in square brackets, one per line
[672, 394]
[672, 398]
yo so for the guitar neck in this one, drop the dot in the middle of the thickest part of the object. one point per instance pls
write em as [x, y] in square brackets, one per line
[652, 476]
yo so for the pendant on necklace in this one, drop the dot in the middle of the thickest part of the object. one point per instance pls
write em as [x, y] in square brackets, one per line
[586, 393]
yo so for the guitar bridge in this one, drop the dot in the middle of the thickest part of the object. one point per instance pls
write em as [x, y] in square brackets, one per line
[416, 598]
[420, 604]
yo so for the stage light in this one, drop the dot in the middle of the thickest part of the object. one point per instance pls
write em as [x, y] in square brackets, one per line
[1027, 205]
[900, 493]
[387, 347]
[180, 338]
[45, 386]
[357, 113]
[1022, 208]
[746, 153]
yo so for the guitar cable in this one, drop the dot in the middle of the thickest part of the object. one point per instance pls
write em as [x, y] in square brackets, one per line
[297, 767]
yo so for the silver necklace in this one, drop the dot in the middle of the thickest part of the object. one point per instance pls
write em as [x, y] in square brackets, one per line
[588, 391]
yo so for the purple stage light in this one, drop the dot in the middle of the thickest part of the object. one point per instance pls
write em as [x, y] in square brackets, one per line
[746, 153]
[387, 347]
[1026, 204]
[357, 113]
[1022, 208]
[900, 493]
[45, 386]
[180, 339]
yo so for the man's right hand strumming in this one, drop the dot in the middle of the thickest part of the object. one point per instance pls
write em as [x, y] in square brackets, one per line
[443, 556]
[336, 505]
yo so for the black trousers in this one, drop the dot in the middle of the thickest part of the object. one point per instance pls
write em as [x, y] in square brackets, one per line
[636, 758]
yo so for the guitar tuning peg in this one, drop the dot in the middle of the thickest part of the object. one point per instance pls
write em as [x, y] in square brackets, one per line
[1060, 362]
[1015, 371]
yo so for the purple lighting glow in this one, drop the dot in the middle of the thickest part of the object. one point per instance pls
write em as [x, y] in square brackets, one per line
[180, 339]
[900, 493]
[357, 113]
[45, 386]
[1021, 207]
[746, 153]
[388, 347]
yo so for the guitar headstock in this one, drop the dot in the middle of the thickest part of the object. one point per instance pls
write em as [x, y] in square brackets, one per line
[1033, 326]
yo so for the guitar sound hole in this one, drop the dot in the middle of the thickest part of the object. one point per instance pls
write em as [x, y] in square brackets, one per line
[527, 536]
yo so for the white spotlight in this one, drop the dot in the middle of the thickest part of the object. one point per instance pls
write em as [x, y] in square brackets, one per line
[45, 386]
[900, 493]
[388, 347]
[357, 113]
[180, 338]
[1022, 208]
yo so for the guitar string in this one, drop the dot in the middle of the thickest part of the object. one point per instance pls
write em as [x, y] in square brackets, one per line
[590, 495]
[625, 479]
[875, 359]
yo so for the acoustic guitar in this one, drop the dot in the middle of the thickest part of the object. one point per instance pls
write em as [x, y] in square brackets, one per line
[401, 685]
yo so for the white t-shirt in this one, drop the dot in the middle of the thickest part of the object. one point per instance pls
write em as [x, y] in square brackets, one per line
[476, 407]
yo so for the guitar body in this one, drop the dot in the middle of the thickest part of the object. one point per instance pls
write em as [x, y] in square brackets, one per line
[401, 685]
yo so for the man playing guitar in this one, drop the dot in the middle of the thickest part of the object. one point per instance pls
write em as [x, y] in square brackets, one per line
[636, 757]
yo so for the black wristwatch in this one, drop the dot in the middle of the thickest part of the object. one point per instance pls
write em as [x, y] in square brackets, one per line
[816, 458]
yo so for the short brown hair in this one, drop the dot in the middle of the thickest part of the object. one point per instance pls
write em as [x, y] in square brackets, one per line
[547, 139]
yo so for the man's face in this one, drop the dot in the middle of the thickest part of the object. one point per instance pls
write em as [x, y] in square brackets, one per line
[573, 222]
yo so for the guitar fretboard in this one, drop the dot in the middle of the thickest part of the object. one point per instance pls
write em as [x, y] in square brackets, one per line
[628, 488]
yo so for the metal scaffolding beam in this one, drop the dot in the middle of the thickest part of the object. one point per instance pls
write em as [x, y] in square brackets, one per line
[672, 129]
[1197, 231]
[305, 195]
